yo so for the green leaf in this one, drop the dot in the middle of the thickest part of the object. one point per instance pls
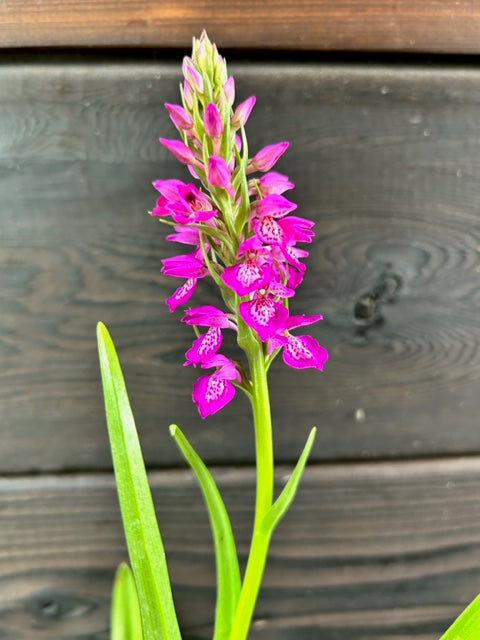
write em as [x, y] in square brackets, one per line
[467, 625]
[228, 572]
[126, 623]
[285, 498]
[145, 547]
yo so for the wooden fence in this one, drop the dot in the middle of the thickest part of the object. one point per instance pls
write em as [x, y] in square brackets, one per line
[384, 539]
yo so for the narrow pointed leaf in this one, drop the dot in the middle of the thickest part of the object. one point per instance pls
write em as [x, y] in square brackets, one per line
[145, 547]
[228, 572]
[126, 622]
[467, 625]
[285, 498]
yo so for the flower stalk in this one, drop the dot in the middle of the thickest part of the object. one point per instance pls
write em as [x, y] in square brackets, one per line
[264, 497]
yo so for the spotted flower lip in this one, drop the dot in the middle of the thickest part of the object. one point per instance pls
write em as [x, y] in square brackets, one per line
[246, 276]
[212, 392]
[253, 272]
[299, 352]
[264, 312]
[204, 347]
[182, 294]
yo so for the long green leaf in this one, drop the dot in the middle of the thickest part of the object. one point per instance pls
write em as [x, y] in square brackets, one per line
[145, 547]
[228, 572]
[126, 622]
[285, 498]
[467, 625]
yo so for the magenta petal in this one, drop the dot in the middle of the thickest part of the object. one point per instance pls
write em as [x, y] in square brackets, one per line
[301, 320]
[211, 393]
[245, 277]
[205, 346]
[225, 367]
[182, 294]
[263, 314]
[274, 182]
[268, 230]
[184, 266]
[208, 316]
[185, 235]
[301, 352]
[274, 205]
[169, 188]
[179, 150]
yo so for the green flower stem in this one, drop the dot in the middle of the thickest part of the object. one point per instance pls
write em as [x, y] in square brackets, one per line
[264, 495]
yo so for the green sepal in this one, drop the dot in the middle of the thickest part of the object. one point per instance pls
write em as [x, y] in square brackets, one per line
[467, 625]
[285, 498]
[228, 571]
[125, 619]
[145, 546]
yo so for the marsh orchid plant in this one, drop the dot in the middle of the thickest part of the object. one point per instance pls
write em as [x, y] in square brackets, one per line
[235, 226]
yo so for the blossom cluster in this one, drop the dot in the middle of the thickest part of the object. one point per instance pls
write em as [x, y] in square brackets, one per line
[241, 231]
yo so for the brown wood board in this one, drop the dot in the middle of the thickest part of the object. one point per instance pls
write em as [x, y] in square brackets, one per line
[439, 26]
[386, 550]
[385, 160]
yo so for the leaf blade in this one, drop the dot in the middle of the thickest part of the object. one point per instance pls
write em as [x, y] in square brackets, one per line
[144, 542]
[126, 622]
[467, 625]
[287, 495]
[228, 571]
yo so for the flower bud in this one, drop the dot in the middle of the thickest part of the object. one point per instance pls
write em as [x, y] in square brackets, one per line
[242, 112]
[193, 76]
[212, 121]
[267, 157]
[180, 151]
[219, 175]
[229, 90]
[180, 118]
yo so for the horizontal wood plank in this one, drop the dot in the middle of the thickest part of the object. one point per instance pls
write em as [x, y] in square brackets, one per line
[385, 161]
[439, 26]
[388, 551]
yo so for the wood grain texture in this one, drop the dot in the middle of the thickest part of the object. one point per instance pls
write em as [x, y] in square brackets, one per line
[385, 160]
[440, 26]
[388, 551]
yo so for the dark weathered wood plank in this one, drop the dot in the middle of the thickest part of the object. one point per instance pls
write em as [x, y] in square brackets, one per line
[385, 551]
[386, 162]
[440, 26]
